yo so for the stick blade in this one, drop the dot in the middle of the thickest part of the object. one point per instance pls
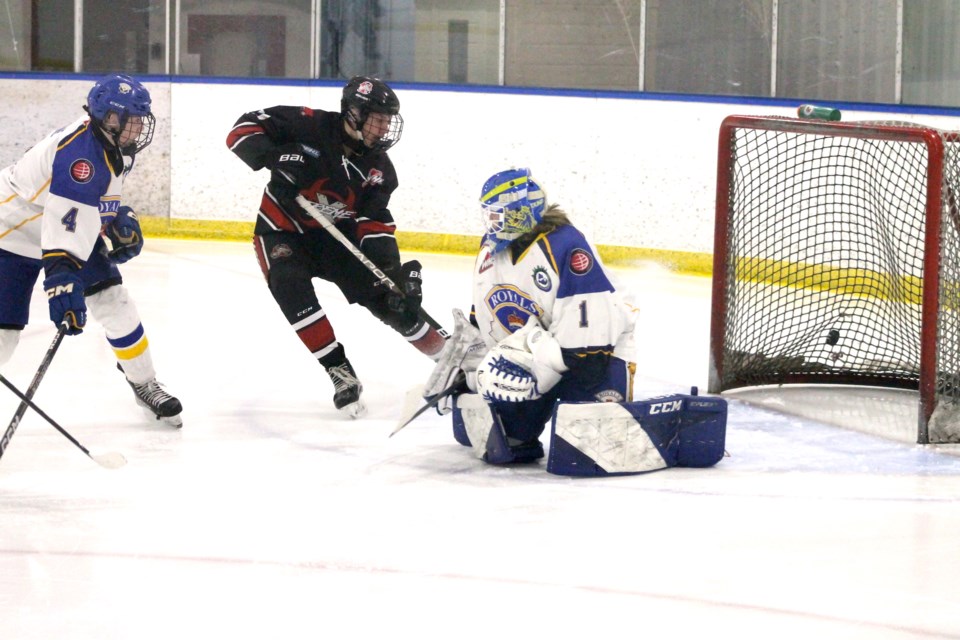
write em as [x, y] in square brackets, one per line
[411, 404]
[110, 460]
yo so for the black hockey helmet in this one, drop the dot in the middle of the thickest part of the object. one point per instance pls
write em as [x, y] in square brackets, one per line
[364, 95]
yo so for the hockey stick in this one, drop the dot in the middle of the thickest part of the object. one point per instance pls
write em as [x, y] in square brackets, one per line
[458, 383]
[107, 460]
[313, 211]
[32, 389]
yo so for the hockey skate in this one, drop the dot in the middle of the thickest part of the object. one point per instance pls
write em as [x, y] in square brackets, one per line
[346, 390]
[154, 398]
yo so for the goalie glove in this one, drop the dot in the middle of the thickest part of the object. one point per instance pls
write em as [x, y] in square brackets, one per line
[523, 366]
[462, 351]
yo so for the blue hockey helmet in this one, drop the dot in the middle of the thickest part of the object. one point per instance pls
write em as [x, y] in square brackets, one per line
[512, 204]
[132, 128]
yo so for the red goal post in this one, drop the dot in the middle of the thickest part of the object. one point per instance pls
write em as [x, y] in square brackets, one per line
[837, 260]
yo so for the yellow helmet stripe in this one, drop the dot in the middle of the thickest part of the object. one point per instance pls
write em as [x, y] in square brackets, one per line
[500, 188]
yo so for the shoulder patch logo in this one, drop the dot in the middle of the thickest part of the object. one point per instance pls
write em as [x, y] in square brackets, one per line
[374, 178]
[81, 171]
[280, 251]
[580, 262]
[487, 261]
[542, 279]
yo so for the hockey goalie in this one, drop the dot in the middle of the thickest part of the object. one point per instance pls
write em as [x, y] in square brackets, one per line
[550, 341]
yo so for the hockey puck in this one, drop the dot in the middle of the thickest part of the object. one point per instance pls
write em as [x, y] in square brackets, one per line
[833, 337]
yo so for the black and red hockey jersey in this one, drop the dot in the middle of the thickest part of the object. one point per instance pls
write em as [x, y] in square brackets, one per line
[354, 190]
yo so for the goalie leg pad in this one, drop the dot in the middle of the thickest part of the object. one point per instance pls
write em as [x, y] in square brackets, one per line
[477, 424]
[703, 432]
[600, 439]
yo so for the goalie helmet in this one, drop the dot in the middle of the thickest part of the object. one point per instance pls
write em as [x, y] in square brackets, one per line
[512, 204]
[361, 97]
[132, 130]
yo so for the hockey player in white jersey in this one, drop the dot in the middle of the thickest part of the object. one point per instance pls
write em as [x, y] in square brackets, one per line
[61, 211]
[550, 340]
[547, 324]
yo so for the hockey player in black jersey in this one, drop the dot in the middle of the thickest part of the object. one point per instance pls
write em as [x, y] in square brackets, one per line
[339, 161]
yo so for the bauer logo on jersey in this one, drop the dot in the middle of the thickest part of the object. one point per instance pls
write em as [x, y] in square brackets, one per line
[580, 262]
[81, 171]
[542, 279]
[511, 306]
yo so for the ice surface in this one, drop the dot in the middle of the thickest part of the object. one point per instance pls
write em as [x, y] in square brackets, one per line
[270, 516]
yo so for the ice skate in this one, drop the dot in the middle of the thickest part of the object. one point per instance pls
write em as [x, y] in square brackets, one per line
[347, 390]
[155, 399]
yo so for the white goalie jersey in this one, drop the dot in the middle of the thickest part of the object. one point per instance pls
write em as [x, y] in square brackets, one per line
[559, 279]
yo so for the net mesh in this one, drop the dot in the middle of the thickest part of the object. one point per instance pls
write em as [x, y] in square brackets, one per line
[824, 260]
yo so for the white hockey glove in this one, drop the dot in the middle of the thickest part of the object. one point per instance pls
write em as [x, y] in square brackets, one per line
[462, 352]
[523, 366]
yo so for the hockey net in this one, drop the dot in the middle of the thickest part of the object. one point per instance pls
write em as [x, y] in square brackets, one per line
[837, 260]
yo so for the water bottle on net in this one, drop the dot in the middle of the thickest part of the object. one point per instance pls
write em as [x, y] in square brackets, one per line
[813, 112]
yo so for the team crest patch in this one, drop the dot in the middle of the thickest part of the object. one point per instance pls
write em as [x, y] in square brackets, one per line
[280, 251]
[486, 264]
[511, 306]
[609, 395]
[365, 87]
[374, 178]
[580, 262]
[81, 171]
[542, 279]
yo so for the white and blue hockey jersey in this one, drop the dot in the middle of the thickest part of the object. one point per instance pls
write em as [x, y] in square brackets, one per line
[559, 279]
[57, 196]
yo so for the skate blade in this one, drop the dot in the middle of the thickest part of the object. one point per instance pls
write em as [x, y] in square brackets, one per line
[354, 409]
[171, 421]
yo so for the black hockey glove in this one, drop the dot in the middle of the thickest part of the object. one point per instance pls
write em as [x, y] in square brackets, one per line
[125, 235]
[292, 167]
[410, 283]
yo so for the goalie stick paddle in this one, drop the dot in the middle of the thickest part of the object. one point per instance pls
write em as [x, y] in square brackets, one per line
[458, 382]
[107, 460]
[313, 211]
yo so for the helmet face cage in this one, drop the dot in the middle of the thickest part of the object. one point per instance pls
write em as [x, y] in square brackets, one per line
[363, 96]
[511, 204]
[130, 101]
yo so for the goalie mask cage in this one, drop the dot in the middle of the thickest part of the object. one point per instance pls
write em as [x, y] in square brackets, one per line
[837, 260]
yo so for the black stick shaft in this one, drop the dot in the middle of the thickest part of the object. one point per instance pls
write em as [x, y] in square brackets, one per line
[27, 401]
[32, 389]
[331, 228]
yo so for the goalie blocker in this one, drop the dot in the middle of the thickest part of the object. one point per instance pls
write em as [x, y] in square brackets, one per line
[605, 438]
